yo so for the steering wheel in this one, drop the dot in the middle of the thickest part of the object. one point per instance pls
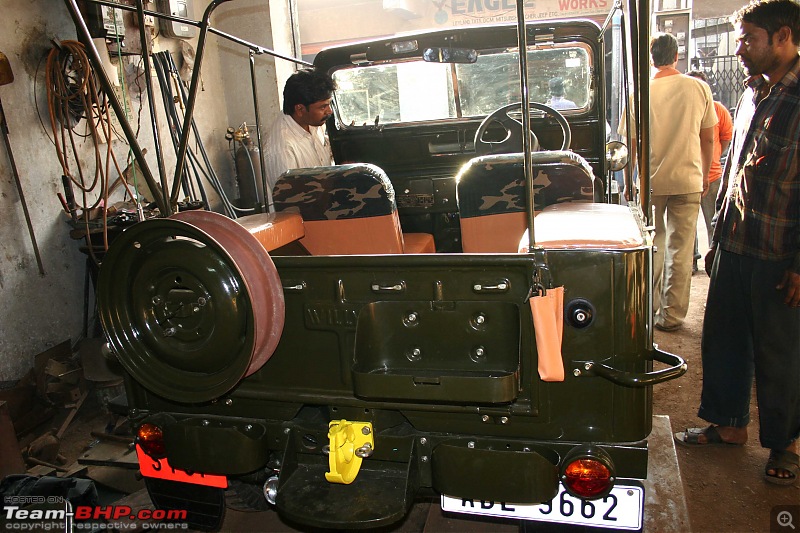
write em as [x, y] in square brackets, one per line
[513, 139]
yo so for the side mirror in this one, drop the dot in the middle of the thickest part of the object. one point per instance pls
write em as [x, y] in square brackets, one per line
[617, 155]
[450, 55]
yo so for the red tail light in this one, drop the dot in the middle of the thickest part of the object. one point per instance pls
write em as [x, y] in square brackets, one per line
[587, 472]
[587, 478]
[151, 439]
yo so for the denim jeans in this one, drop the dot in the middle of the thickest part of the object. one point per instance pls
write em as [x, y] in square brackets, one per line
[749, 332]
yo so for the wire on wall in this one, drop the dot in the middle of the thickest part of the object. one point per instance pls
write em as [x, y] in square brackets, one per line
[74, 98]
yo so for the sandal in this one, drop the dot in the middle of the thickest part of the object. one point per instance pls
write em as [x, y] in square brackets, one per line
[782, 460]
[690, 437]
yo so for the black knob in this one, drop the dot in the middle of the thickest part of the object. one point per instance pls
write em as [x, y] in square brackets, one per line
[580, 313]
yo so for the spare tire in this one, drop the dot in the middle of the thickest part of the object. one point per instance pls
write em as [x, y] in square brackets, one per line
[178, 310]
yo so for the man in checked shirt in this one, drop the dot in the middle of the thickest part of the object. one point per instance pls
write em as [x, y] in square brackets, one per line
[752, 319]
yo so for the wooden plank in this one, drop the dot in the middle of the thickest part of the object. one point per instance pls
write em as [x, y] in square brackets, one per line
[119, 479]
[40, 471]
[59, 351]
[110, 454]
[71, 415]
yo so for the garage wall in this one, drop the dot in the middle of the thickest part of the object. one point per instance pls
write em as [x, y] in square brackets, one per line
[35, 311]
[248, 20]
[38, 311]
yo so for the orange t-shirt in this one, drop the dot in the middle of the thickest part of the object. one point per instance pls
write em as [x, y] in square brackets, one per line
[723, 131]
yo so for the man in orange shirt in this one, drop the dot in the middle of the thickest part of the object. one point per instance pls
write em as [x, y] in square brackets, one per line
[723, 132]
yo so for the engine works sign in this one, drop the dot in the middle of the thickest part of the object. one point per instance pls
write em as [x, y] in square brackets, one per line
[380, 18]
[471, 12]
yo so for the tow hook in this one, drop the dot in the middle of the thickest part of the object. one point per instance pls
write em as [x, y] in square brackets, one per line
[350, 443]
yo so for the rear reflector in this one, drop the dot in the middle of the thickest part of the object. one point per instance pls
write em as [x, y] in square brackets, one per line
[587, 478]
[151, 439]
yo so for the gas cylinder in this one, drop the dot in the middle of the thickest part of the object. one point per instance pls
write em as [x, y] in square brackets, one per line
[248, 168]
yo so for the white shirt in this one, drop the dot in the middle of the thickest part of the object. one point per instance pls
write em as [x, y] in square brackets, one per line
[680, 106]
[288, 146]
[559, 102]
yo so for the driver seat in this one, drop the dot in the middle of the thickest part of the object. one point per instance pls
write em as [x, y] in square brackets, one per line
[491, 195]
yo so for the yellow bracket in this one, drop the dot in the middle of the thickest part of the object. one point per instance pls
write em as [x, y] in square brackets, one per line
[350, 442]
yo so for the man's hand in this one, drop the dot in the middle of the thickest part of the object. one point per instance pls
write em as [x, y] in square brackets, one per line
[705, 186]
[790, 282]
[709, 260]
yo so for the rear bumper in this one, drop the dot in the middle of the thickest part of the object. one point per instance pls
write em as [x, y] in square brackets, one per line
[406, 464]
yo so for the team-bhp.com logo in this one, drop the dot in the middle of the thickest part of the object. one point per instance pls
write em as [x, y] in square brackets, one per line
[54, 513]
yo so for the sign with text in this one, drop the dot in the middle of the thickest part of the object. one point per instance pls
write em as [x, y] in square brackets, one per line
[379, 18]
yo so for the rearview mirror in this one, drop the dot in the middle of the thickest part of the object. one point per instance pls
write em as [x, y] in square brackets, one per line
[617, 155]
[450, 55]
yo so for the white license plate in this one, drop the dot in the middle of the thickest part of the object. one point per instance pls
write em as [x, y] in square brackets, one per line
[621, 509]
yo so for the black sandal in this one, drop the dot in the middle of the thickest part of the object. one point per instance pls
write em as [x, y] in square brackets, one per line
[691, 436]
[782, 460]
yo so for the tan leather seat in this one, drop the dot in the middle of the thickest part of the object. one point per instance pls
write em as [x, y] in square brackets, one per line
[347, 209]
[491, 195]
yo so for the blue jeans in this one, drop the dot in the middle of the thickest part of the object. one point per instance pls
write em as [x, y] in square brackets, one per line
[748, 331]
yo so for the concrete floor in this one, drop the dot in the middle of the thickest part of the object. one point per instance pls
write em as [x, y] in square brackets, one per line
[665, 504]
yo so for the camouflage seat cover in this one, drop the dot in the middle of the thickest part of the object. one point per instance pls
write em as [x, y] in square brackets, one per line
[495, 184]
[338, 192]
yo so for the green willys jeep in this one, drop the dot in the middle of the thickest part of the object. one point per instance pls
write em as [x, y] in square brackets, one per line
[373, 341]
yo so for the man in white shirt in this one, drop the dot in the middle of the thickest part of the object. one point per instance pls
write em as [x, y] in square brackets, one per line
[297, 139]
[557, 99]
[682, 120]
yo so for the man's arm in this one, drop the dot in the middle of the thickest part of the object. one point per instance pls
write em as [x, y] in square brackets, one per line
[725, 125]
[277, 155]
[724, 145]
[276, 164]
[627, 172]
[725, 128]
[706, 154]
[791, 278]
[791, 282]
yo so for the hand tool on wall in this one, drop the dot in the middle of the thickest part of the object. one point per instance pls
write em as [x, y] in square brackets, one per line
[6, 77]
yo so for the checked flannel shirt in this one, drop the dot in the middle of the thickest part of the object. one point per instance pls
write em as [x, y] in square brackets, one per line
[759, 198]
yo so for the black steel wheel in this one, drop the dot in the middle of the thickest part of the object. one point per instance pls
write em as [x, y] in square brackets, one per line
[176, 311]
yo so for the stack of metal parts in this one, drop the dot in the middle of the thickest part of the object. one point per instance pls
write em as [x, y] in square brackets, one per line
[173, 95]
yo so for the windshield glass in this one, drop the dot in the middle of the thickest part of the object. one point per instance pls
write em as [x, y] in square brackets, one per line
[414, 90]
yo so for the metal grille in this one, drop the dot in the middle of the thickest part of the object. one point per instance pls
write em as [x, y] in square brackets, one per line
[714, 48]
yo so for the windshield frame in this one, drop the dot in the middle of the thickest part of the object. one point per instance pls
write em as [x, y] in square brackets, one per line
[584, 33]
[445, 94]
[445, 84]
